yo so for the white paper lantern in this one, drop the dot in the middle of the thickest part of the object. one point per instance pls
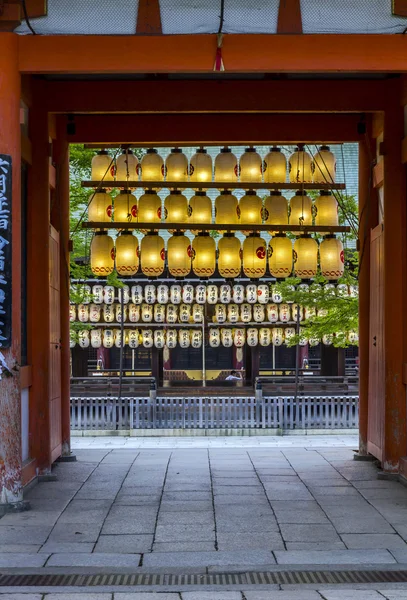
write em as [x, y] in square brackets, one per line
[327, 339]
[133, 338]
[103, 168]
[200, 294]
[259, 313]
[134, 313]
[97, 293]
[146, 313]
[246, 313]
[251, 167]
[117, 334]
[297, 312]
[125, 290]
[330, 289]
[108, 338]
[163, 293]
[136, 294]
[125, 207]
[184, 338]
[196, 338]
[284, 313]
[325, 166]
[272, 313]
[233, 313]
[310, 312]
[148, 339]
[212, 294]
[150, 295]
[251, 293]
[254, 256]
[238, 293]
[220, 313]
[108, 294]
[120, 313]
[172, 313]
[265, 336]
[322, 312]
[83, 338]
[239, 337]
[101, 207]
[263, 293]
[175, 294]
[252, 337]
[353, 338]
[289, 333]
[72, 312]
[305, 257]
[226, 168]
[331, 258]
[159, 338]
[172, 338]
[96, 338]
[184, 313]
[303, 341]
[197, 313]
[275, 166]
[225, 293]
[109, 313]
[276, 294]
[83, 313]
[342, 290]
[353, 291]
[301, 166]
[214, 337]
[226, 338]
[94, 313]
[188, 293]
[313, 342]
[126, 166]
[159, 313]
[86, 292]
[277, 336]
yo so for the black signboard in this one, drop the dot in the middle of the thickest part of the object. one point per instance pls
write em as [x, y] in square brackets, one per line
[5, 251]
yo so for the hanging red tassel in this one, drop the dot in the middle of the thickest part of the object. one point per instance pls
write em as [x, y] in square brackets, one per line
[219, 66]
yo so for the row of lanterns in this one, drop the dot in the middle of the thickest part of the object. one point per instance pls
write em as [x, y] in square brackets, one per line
[229, 257]
[185, 338]
[302, 167]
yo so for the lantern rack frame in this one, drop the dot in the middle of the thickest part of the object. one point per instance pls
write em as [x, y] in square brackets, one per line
[229, 325]
[301, 229]
[213, 185]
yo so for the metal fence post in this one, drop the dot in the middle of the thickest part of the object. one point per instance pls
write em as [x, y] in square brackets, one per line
[259, 403]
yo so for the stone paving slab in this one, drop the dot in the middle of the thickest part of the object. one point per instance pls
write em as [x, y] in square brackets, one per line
[124, 544]
[191, 559]
[98, 559]
[21, 560]
[334, 557]
[51, 547]
[282, 595]
[374, 540]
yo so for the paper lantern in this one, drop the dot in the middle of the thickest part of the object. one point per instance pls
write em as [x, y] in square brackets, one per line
[102, 167]
[275, 166]
[289, 333]
[259, 314]
[152, 255]
[151, 166]
[134, 313]
[100, 207]
[176, 294]
[263, 293]
[96, 338]
[184, 313]
[325, 166]
[326, 211]
[127, 254]
[203, 255]
[254, 256]
[159, 313]
[251, 210]
[220, 313]
[125, 290]
[184, 338]
[108, 294]
[303, 338]
[126, 166]
[199, 211]
[277, 336]
[176, 208]
[147, 337]
[252, 337]
[301, 166]
[117, 334]
[276, 294]
[196, 338]
[226, 169]
[225, 293]
[251, 168]
[83, 313]
[172, 313]
[310, 312]
[102, 254]
[83, 338]
[133, 338]
[72, 312]
[97, 294]
[353, 338]
[150, 295]
[200, 167]
[179, 255]
[188, 293]
[327, 339]
[229, 256]
[163, 293]
[239, 337]
[108, 338]
[159, 338]
[109, 313]
[246, 313]
[322, 312]
[214, 337]
[313, 342]
[200, 294]
[353, 291]
[330, 289]
[300, 209]
[146, 313]
[305, 257]
[86, 293]
[233, 313]
[120, 313]
[136, 294]
[297, 312]
[238, 294]
[197, 313]
[226, 209]
[275, 210]
[72, 339]
[171, 338]
[176, 166]
[284, 313]
[342, 290]
[331, 258]
[272, 312]
[226, 338]
[265, 336]
[125, 207]
[251, 293]
[149, 208]
[94, 313]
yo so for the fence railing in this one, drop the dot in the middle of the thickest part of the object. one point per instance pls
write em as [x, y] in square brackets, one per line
[286, 413]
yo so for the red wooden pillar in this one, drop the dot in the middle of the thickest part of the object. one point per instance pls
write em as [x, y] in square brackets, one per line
[10, 395]
[395, 281]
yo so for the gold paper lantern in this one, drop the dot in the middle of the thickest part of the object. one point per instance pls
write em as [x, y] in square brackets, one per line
[152, 255]
[152, 166]
[200, 167]
[275, 209]
[250, 166]
[176, 208]
[102, 254]
[226, 169]
[325, 166]
[300, 209]
[280, 256]
[275, 166]
[226, 209]
[179, 255]
[229, 256]
[102, 167]
[126, 166]
[251, 209]
[254, 256]
[125, 207]
[176, 166]
[149, 208]
[331, 258]
[127, 254]
[305, 257]
[301, 166]
[203, 255]
[100, 207]
[326, 210]
[199, 210]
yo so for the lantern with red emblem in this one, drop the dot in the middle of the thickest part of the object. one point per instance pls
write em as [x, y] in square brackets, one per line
[254, 256]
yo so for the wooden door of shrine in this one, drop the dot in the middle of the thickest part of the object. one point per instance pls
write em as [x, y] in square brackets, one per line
[55, 347]
[376, 409]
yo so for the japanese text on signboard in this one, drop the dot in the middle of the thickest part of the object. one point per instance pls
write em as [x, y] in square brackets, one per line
[5, 251]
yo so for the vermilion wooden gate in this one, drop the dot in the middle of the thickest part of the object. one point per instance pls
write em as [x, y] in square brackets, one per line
[376, 412]
[55, 347]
